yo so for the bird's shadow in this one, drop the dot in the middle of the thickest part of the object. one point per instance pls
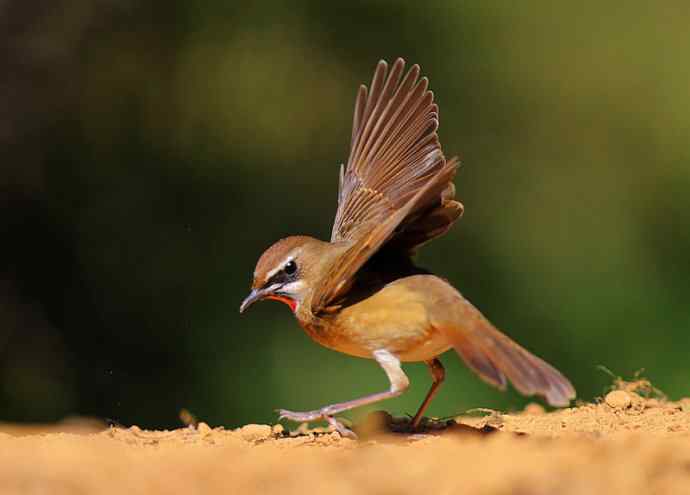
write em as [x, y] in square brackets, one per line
[380, 425]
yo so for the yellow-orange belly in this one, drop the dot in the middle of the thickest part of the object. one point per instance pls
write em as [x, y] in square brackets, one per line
[395, 318]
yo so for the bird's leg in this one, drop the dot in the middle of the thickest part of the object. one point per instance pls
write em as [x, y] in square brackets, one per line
[438, 374]
[399, 383]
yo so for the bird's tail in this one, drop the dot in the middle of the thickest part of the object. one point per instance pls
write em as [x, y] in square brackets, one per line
[495, 357]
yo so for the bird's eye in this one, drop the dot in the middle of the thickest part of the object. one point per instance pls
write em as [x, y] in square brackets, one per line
[290, 267]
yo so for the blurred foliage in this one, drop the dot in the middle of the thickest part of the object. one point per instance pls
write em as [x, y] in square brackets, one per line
[153, 150]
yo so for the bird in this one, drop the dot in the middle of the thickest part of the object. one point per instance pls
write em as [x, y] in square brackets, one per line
[361, 293]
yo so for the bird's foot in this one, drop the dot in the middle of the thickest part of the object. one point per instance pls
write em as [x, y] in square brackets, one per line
[325, 413]
[344, 431]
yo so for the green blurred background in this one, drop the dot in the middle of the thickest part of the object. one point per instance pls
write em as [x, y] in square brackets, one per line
[152, 150]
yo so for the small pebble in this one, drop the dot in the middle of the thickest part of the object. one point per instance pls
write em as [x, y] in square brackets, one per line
[277, 430]
[618, 399]
[204, 429]
[534, 409]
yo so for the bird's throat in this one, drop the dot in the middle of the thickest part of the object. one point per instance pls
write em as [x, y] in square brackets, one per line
[284, 299]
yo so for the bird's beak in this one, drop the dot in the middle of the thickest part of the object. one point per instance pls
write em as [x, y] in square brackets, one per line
[254, 295]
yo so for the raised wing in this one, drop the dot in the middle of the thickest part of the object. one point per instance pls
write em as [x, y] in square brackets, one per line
[396, 188]
[341, 275]
[393, 154]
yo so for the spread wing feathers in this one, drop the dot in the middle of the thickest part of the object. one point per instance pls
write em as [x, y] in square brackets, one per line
[341, 275]
[495, 358]
[436, 221]
[394, 153]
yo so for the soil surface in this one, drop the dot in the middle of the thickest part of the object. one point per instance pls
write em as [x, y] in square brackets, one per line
[629, 442]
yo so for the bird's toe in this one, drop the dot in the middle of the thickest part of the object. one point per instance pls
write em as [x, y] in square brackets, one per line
[300, 417]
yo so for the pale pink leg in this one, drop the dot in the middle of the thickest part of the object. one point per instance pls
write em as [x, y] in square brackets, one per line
[399, 383]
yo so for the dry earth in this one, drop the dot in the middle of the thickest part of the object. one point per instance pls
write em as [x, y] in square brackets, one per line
[626, 443]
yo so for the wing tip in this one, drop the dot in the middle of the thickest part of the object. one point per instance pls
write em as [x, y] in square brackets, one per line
[454, 161]
[382, 65]
[424, 83]
[561, 392]
[414, 72]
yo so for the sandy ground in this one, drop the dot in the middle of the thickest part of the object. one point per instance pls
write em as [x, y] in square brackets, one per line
[626, 443]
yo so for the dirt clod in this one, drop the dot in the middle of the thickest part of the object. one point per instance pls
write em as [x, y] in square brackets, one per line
[618, 399]
[254, 433]
[204, 429]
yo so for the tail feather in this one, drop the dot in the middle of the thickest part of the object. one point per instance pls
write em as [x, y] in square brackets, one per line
[495, 357]
[475, 358]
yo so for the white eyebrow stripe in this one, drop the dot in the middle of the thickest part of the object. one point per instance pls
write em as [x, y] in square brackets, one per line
[278, 268]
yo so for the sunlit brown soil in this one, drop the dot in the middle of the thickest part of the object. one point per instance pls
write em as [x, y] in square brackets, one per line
[627, 443]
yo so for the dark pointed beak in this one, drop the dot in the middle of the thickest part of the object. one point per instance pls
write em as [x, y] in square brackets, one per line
[254, 295]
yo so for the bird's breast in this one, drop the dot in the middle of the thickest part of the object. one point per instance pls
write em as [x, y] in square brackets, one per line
[395, 318]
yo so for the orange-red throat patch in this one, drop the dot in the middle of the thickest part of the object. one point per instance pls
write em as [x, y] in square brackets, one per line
[284, 299]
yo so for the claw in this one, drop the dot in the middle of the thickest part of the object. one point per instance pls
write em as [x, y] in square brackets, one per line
[309, 416]
[344, 431]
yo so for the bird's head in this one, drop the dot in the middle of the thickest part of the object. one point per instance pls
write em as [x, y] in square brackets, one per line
[288, 271]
